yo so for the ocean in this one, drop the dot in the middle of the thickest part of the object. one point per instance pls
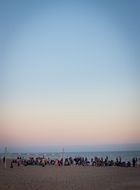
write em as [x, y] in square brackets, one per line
[112, 155]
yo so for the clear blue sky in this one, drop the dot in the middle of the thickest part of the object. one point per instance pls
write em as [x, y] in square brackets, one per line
[79, 58]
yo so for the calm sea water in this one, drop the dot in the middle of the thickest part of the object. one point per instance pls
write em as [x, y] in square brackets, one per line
[125, 155]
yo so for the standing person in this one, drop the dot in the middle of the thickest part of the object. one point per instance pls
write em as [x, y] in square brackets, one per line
[134, 162]
[11, 165]
[3, 160]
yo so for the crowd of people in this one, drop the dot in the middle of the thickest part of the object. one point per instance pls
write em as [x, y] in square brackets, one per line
[77, 161]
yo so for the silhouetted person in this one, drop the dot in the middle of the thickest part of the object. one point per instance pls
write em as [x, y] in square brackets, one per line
[4, 159]
[134, 162]
[11, 165]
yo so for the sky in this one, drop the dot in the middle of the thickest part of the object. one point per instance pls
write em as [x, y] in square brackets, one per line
[69, 74]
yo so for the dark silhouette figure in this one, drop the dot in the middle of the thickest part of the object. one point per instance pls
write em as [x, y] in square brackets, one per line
[134, 162]
[4, 159]
[11, 165]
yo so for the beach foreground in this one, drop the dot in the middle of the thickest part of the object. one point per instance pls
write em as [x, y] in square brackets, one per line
[69, 178]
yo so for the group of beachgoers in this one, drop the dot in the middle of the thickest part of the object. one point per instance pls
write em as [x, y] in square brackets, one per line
[77, 161]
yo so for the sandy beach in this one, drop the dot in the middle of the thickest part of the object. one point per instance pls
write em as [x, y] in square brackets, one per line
[69, 178]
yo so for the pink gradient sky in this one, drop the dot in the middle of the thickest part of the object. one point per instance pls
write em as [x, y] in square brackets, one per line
[59, 124]
[69, 73]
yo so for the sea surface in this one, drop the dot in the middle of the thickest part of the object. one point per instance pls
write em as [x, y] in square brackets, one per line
[125, 155]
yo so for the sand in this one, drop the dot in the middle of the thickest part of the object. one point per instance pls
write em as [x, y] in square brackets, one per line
[69, 178]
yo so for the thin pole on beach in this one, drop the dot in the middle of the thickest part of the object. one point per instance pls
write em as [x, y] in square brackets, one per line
[5, 154]
[63, 156]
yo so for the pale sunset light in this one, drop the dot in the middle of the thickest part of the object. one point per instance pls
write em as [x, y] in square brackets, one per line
[69, 75]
